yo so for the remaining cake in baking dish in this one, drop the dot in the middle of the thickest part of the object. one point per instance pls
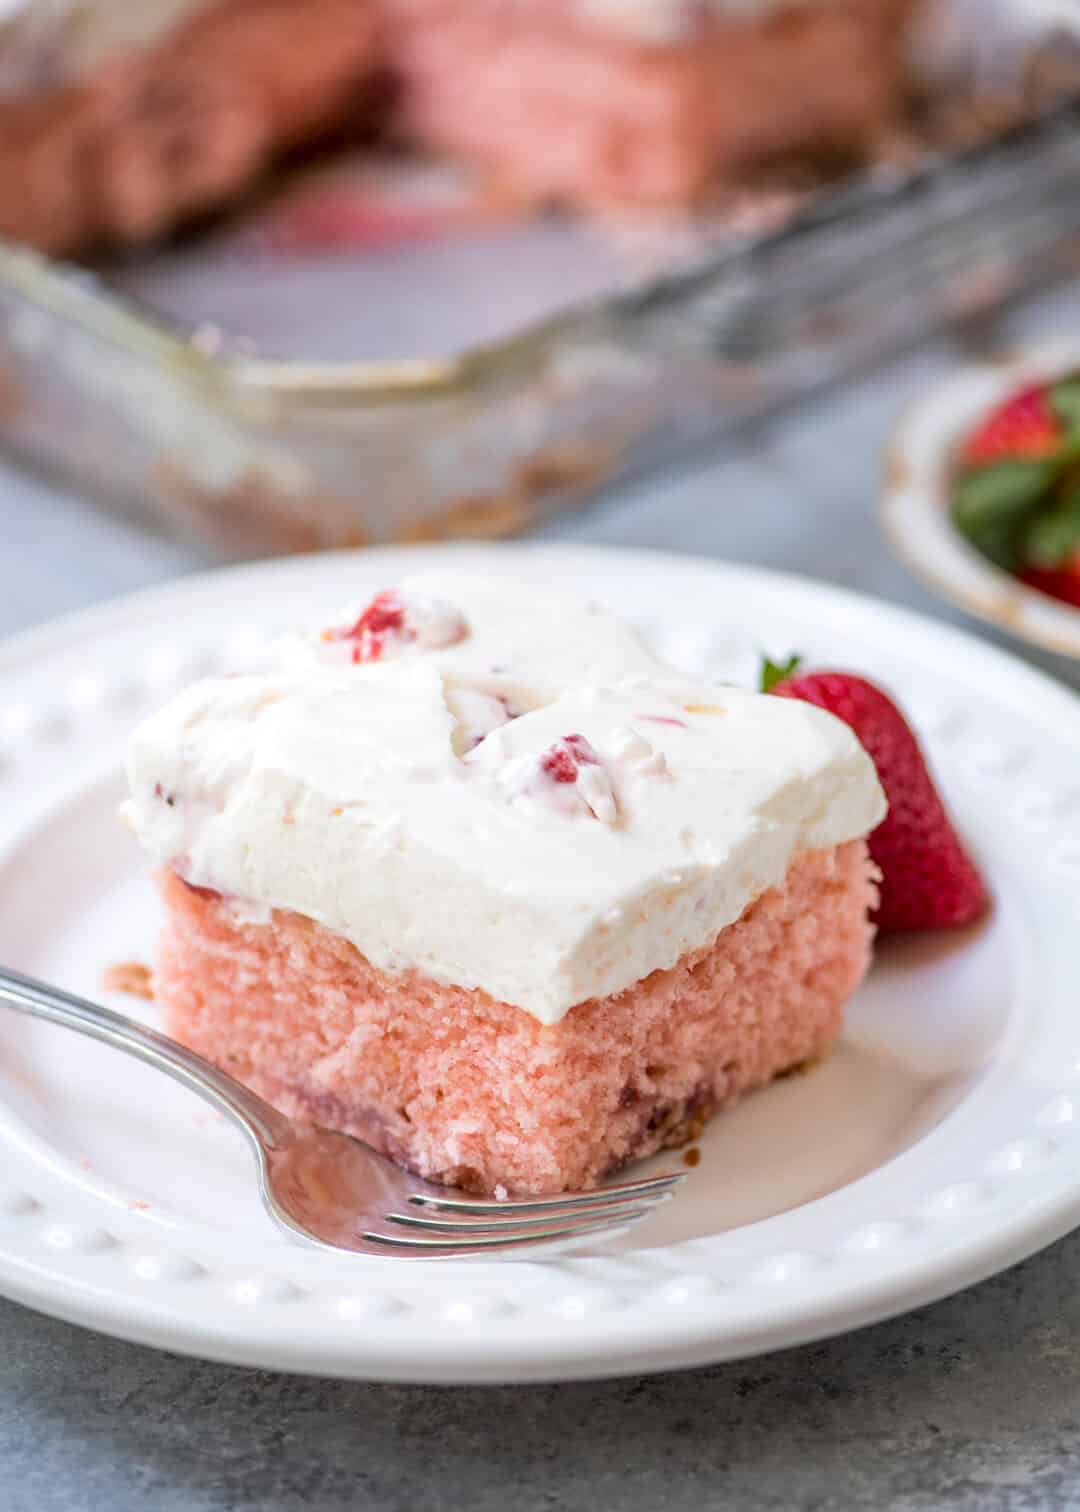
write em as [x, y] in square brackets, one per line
[643, 101]
[121, 120]
[475, 877]
[118, 122]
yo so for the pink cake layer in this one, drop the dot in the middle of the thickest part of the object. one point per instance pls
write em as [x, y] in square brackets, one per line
[559, 106]
[476, 1093]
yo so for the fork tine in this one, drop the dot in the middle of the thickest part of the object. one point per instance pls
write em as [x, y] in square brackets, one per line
[626, 1191]
[465, 1226]
[487, 1244]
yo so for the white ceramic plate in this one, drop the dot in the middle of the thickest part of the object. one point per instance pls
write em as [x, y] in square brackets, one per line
[915, 499]
[938, 1144]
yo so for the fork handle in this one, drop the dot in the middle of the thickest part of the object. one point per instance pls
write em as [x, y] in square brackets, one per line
[38, 1000]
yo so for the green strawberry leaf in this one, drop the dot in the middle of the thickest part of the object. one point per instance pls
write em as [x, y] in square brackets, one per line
[1065, 402]
[1053, 535]
[1003, 492]
[777, 672]
[998, 543]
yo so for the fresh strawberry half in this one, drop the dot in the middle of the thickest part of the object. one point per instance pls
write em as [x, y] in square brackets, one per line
[928, 879]
[1026, 426]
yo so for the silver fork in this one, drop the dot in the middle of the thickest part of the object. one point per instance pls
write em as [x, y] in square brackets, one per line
[331, 1189]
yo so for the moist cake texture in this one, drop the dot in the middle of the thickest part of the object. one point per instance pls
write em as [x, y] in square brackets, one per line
[472, 874]
[476, 1093]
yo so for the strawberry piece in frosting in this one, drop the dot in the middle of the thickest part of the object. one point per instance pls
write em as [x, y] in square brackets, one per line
[573, 765]
[566, 757]
[569, 777]
[393, 621]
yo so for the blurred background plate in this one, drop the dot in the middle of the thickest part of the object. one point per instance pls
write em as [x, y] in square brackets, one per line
[916, 497]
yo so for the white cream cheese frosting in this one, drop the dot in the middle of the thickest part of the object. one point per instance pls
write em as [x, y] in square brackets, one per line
[498, 637]
[496, 788]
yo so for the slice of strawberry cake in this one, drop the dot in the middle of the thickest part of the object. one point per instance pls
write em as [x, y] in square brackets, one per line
[120, 121]
[644, 101]
[473, 876]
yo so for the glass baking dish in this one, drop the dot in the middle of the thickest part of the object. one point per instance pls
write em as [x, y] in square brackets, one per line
[474, 383]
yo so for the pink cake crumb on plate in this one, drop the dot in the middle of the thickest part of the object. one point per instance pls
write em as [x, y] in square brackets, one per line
[470, 1091]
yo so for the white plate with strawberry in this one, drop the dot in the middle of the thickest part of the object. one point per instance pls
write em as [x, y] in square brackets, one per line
[982, 493]
[937, 1144]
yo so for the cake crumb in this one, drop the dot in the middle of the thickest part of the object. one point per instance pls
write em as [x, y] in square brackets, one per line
[692, 1157]
[501, 1194]
[800, 1068]
[137, 1205]
[132, 977]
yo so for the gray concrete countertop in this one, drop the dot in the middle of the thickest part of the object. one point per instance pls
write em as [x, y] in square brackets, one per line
[971, 1404]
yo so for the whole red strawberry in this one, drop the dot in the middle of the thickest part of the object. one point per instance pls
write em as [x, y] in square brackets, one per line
[1025, 426]
[929, 880]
